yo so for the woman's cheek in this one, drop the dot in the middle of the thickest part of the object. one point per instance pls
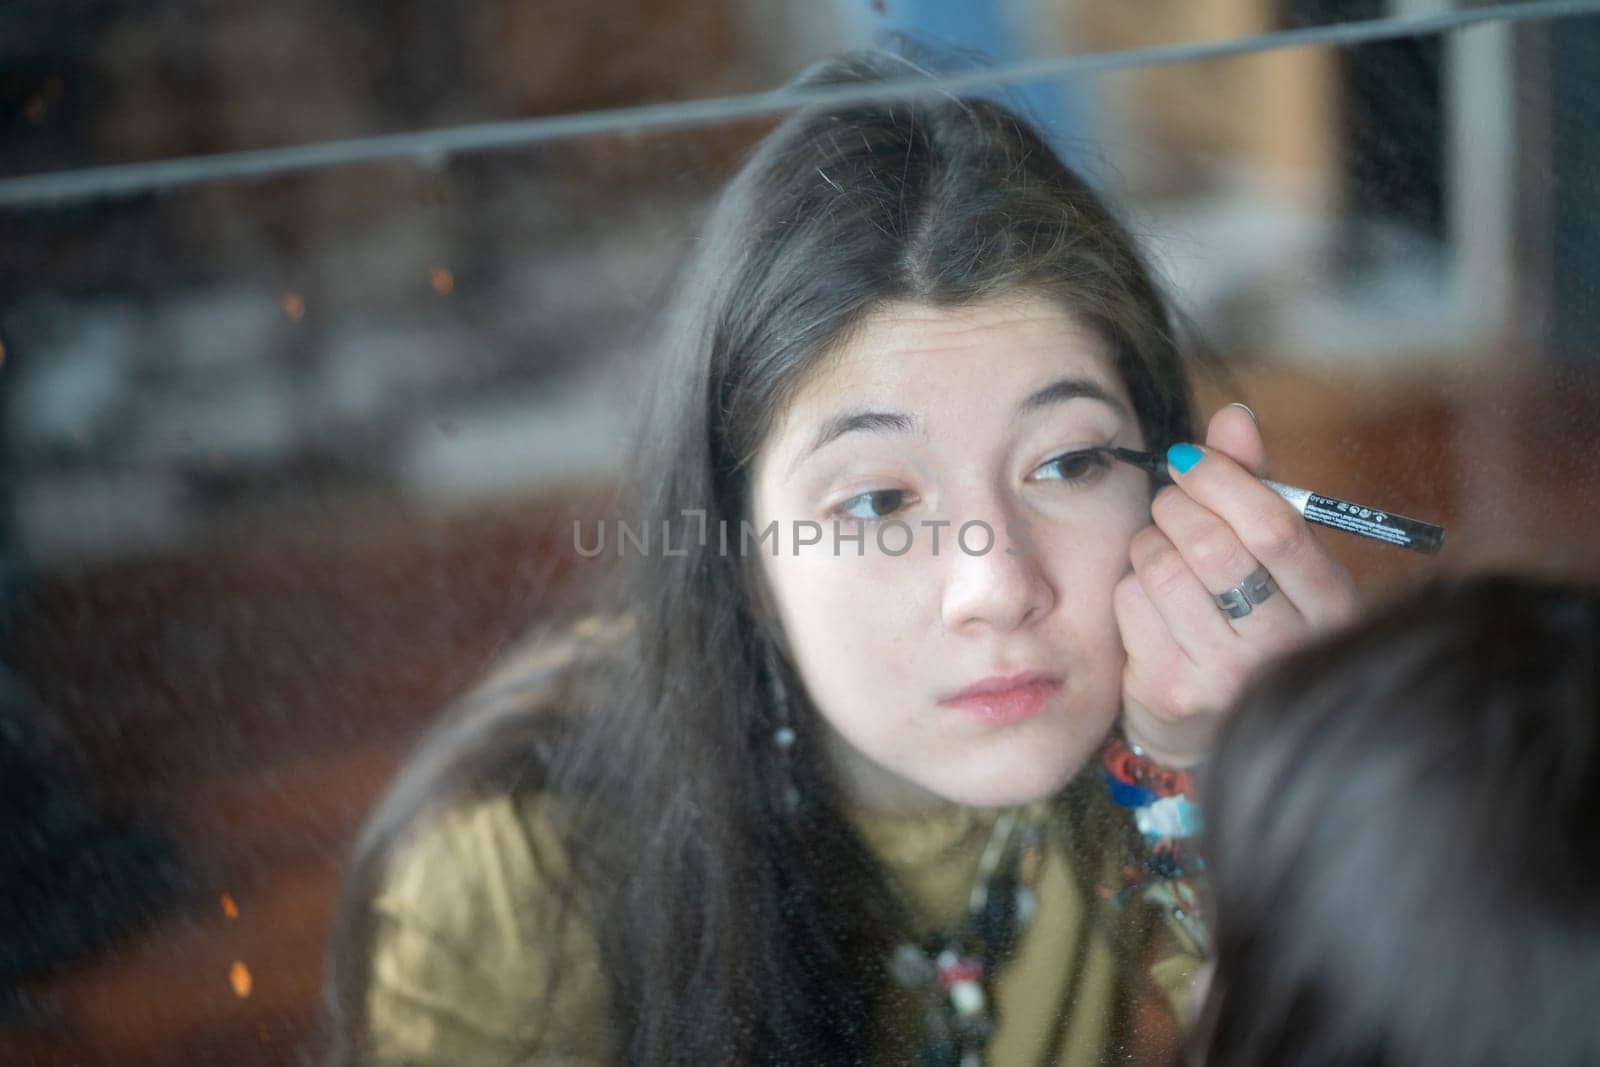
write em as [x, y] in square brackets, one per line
[853, 614]
[1085, 559]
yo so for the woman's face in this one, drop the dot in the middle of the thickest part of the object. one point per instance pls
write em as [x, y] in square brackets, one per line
[940, 418]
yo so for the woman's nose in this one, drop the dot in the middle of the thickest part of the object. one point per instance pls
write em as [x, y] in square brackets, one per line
[994, 580]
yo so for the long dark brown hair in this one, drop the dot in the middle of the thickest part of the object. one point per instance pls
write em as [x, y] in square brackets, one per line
[699, 876]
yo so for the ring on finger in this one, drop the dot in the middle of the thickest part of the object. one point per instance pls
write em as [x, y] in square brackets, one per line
[1243, 598]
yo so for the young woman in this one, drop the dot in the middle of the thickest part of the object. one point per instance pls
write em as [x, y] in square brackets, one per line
[1402, 838]
[817, 783]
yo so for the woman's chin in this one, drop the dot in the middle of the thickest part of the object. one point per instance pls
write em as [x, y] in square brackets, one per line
[1007, 766]
[1001, 783]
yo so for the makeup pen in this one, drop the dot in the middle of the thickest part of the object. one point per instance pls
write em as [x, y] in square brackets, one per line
[1336, 514]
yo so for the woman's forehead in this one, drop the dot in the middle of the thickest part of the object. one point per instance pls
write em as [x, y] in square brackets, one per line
[974, 358]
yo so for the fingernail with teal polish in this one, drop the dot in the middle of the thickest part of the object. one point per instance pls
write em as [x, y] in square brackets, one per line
[1184, 457]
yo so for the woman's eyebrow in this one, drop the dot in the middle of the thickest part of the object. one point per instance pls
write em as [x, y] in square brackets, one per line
[852, 421]
[1069, 388]
[1057, 392]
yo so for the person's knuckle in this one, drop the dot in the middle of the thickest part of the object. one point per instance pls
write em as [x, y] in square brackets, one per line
[1164, 508]
[1278, 536]
[1165, 572]
[1216, 549]
[1144, 542]
[1184, 700]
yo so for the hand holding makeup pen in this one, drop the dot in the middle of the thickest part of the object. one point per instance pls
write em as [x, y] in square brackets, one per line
[1336, 514]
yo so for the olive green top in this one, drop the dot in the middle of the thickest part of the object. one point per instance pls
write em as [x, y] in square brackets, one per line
[462, 944]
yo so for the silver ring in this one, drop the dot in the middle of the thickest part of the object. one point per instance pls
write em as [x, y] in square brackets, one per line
[1243, 598]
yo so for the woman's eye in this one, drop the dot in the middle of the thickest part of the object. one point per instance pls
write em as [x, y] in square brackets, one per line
[1078, 466]
[878, 504]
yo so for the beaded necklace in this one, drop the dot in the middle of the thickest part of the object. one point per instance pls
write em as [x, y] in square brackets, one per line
[955, 972]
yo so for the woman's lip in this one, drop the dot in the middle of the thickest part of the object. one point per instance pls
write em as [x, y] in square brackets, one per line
[1000, 683]
[1008, 705]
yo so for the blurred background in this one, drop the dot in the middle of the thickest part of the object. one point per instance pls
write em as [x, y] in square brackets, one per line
[292, 456]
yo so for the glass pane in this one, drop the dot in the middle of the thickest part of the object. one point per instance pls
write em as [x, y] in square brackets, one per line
[96, 83]
[291, 463]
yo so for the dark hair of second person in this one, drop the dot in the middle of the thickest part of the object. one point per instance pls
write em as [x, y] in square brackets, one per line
[1402, 825]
